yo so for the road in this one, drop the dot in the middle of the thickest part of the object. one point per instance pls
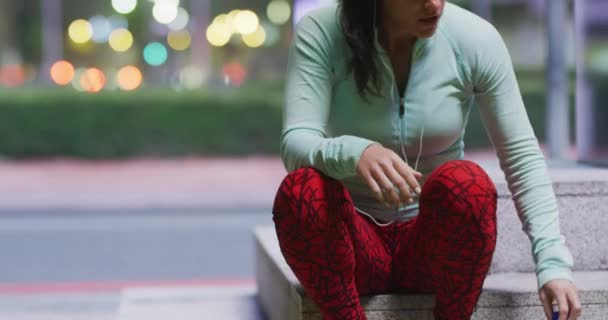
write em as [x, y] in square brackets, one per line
[129, 245]
[67, 263]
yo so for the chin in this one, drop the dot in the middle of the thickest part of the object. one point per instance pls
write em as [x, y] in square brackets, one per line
[427, 33]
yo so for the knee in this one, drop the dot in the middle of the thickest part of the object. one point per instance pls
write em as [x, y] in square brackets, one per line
[462, 186]
[302, 190]
[303, 183]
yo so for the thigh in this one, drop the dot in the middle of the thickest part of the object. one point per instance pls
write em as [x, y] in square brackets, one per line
[413, 256]
[454, 235]
[373, 256]
[321, 233]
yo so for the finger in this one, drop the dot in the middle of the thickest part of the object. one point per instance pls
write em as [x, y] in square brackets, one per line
[417, 174]
[411, 180]
[547, 304]
[373, 186]
[575, 305]
[408, 174]
[390, 195]
[562, 306]
[401, 184]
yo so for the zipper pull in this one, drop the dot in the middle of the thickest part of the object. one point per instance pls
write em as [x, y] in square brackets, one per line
[401, 107]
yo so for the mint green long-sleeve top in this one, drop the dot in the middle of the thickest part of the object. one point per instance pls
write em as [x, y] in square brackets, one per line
[464, 64]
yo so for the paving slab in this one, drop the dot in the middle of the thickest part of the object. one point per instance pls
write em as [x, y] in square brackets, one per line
[190, 303]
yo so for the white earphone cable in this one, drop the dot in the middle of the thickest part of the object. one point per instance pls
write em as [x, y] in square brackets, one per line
[400, 133]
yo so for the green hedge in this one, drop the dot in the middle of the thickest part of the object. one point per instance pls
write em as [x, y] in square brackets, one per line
[52, 123]
[147, 123]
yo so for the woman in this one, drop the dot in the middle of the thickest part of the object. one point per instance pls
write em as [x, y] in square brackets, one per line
[353, 217]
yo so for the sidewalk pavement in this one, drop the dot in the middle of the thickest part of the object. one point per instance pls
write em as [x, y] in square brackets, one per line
[139, 183]
[184, 183]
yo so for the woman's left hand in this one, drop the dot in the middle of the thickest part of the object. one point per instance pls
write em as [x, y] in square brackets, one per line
[564, 292]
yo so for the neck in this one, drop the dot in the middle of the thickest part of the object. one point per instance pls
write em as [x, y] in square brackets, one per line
[393, 40]
[394, 35]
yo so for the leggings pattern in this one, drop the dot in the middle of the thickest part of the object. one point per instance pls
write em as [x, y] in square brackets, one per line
[338, 254]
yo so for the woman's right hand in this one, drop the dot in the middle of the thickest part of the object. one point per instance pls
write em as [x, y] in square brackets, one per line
[384, 170]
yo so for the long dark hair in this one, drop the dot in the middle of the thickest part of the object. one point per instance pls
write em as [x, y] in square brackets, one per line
[357, 22]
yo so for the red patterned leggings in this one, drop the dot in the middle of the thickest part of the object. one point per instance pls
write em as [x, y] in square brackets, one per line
[338, 254]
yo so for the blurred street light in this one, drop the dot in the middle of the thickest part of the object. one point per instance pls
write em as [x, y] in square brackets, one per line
[118, 22]
[179, 40]
[191, 77]
[129, 78]
[255, 39]
[12, 75]
[165, 11]
[101, 28]
[278, 12]
[181, 20]
[218, 34]
[121, 40]
[80, 31]
[246, 22]
[62, 72]
[93, 80]
[76, 84]
[124, 6]
[155, 54]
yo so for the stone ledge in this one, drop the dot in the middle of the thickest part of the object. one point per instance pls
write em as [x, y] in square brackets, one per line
[579, 181]
[505, 296]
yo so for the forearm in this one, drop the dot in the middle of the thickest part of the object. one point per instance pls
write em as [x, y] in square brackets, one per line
[336, 157]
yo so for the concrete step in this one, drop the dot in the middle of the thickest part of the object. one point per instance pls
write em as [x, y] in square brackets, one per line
[505, 295]
[582, 196]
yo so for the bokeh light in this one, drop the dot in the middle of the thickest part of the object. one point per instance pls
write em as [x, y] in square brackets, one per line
[221, 18]
[12, 75]
[101, 28]
[62, 72]
[246, 22]
[164, 11]
[80, 31]
[255, 39]
[121, 40]
[118, 22]
[174, 3]
[234, 73]
[225, 22]
[181, 20]
[129, 78]
[78, 73]
[124, 6]
[231, 17]
[155, 54]
[179, 40]
[278, 11]
[191, 77]
[218, 34]
[92, 80]
[228, 19]
[111, 81]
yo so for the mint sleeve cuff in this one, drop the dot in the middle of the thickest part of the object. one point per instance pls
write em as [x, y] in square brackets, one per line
[353, 148]
[554, 262]
[551, 274]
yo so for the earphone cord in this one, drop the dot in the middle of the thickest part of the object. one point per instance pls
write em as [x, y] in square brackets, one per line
[415, 169]
[400, 132]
